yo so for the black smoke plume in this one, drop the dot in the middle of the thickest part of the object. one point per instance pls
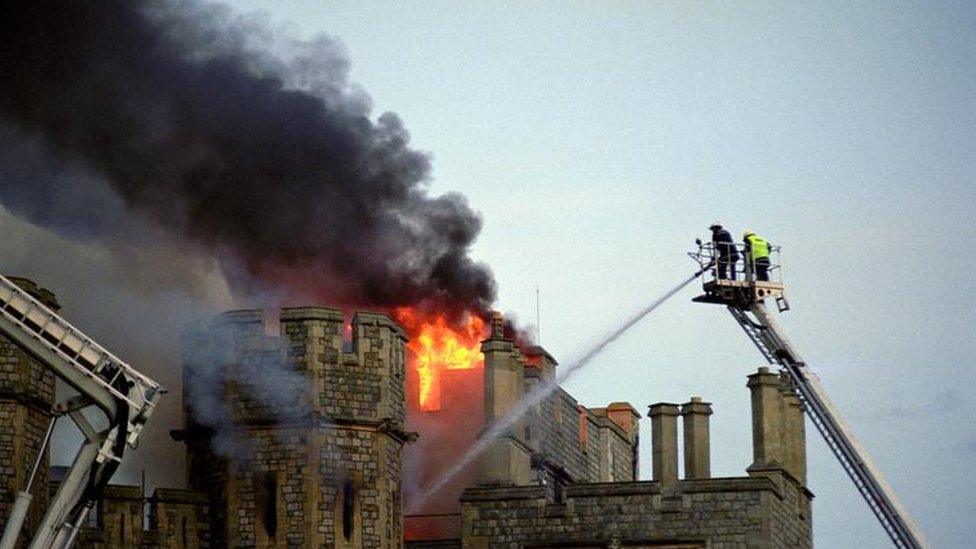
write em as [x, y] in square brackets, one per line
[115, 115]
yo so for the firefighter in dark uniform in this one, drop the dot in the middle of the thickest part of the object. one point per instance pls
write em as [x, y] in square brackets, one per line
[728, 256]
[757, 254]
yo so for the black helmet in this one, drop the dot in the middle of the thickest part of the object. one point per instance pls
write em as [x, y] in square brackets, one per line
[715, 226]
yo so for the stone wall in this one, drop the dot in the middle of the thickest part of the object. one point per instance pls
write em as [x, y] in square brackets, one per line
[577, 444]
[556, 426]
[116, 521]
[178, 519]
[618, 442]
[769, 510]
[207, 470]
[309, 451]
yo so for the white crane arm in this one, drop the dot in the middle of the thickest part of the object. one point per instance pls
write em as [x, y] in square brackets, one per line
[125, 396]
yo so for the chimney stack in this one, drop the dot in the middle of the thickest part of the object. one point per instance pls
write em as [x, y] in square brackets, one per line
[694, 419]
[625, 416]
[794, 432]
[506, 461]
[767, 420]
[664, 442]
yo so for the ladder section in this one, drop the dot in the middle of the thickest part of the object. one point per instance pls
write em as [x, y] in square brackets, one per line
[82, 354]
[854, 459]
[754, 332]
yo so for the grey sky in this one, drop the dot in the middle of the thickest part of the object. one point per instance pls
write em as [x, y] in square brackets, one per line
[598, 139]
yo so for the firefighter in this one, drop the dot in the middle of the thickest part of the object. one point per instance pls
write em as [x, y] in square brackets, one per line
[757, 254]
[728, 256]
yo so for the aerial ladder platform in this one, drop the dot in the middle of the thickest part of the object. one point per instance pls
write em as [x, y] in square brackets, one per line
[112, 404]
[744, 295]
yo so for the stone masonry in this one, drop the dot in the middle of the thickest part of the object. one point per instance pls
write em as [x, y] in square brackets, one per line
[306, 449]
[769, 508]
[559, 441]
[763, 511]
[178, 519]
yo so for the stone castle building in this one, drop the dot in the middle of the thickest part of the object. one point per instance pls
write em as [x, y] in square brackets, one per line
[296, 433]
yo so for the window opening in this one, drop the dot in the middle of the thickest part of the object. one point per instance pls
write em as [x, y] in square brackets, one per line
[348, 504]
[267, 504]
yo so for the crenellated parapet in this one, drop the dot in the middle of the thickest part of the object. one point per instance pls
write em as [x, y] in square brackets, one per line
[379, 346]
[301, 367]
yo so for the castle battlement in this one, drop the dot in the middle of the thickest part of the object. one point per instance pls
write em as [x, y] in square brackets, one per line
[302, 428]
[302, 367]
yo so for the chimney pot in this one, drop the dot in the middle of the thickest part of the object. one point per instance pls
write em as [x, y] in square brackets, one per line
[497, 325]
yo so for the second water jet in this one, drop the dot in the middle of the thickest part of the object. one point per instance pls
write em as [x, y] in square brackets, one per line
[541, 392]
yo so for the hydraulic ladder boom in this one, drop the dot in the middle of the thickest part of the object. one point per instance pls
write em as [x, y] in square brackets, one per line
[122, 394]
[745, 300]
[766, 333]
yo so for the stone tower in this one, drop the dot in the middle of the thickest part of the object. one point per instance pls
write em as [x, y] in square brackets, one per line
[296, 434]
[26, 398]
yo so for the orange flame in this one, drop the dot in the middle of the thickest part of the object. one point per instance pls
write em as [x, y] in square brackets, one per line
[436, 345]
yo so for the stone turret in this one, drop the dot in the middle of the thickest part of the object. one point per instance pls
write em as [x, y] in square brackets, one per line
[297, 436]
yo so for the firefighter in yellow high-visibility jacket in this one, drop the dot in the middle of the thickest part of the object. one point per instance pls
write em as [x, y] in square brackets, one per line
[757, 254]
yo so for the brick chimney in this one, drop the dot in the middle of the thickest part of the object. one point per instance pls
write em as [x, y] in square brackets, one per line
[624, 415]
[694, 419]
